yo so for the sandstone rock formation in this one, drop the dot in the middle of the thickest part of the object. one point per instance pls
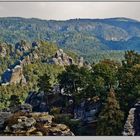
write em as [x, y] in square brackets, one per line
[129, 125]
[22, 123]
[81, 62]
[3, 51]
[132, 125]
[61, 58]
[25, 108]
[22, 46]
[14, 75]
[17, 75]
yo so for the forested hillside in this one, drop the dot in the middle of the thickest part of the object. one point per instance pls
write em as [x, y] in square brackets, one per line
[84, 36]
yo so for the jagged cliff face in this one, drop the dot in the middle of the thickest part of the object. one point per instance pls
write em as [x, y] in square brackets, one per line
[17, 75]
[26, 54]
[132, 125]
[61, 58]
[13, 76]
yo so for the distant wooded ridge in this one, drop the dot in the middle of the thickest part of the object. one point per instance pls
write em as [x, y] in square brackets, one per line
[87, 37]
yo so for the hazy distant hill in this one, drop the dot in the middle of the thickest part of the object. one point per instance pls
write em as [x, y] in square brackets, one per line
[83, 36]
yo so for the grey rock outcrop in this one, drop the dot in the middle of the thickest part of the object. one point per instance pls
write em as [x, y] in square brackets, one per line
[31, 124]
[129, 125]
[81, 62]
[86, 111]
[38, 101]
[22, 108]
[132, 125]
[14, 75]
[61, 58]
[17, 75]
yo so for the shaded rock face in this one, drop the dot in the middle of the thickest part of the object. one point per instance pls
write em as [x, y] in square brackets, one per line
[132, 125]
[22, 123]
[87, 110]
[14, 75]
[61, 58]
[6, 76]
[38, 101]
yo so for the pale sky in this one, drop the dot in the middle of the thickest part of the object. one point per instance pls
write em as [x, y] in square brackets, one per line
[70, 10]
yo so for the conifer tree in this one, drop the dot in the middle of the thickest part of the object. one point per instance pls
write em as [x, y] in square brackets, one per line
[45, 85]
[110, 120]
[14, 101]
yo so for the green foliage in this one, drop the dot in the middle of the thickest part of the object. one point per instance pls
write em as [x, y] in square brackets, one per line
[111, 118]
[62, 118]
[102, 76]
[128, 75]
[84, 36]
[79, 82]
[14, 101]
[32, 71]
[116, 55]
[44, 83]
[55, 110]
[12, 90]
[73, 79]
[107, 70]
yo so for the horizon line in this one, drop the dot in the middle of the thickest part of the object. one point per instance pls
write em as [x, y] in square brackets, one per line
[76, 18]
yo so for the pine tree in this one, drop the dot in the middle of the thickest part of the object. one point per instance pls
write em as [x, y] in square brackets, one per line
[110, 121]
[14, 101]
[45, 85]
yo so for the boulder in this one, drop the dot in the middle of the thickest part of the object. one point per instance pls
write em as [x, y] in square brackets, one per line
[25, 108]
[31, 124]
[37, 101]
[43, 118]
[23, 122]
[60, 130]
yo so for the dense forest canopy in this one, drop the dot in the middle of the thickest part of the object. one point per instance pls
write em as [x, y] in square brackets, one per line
[87, 37]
